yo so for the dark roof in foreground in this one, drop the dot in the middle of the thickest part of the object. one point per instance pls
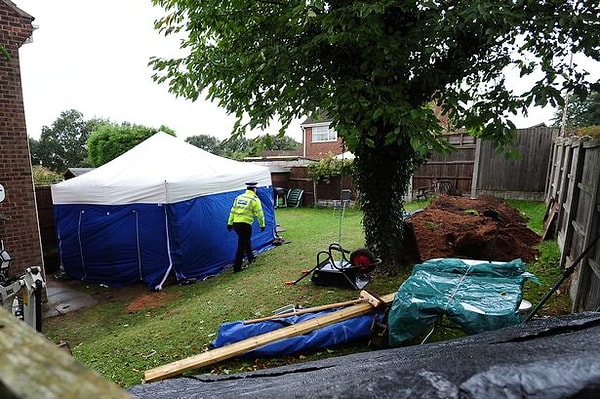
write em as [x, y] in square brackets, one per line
[544, 358]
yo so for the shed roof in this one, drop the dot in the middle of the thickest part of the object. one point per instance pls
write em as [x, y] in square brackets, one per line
[74, 172]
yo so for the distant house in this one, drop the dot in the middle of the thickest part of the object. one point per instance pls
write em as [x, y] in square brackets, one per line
[319, 140]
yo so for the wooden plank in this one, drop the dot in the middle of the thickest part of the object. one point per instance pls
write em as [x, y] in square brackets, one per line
[313, 309]
[238, 348]
[33, 367]
[550, 222]
[364, 296]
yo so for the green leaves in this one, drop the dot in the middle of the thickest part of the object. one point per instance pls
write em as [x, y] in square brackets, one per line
[109, 141]
[4, 52]
[63, 144]
[376, 66]
[325, 169]
[268, 58]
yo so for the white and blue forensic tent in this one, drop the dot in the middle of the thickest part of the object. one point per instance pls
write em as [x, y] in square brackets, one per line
[161, 207]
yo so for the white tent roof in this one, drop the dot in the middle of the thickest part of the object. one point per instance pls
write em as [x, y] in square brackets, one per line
[162, 169]
[346, 155]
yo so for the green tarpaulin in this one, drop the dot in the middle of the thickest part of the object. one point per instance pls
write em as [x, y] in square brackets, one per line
[475, 296]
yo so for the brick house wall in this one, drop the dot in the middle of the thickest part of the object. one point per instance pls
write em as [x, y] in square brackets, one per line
[18, 215]
[322, 149]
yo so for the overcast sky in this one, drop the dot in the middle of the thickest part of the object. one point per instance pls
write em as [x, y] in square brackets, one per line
[92, 56]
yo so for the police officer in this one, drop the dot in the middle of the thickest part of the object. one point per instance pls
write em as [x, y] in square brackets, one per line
[246, 207]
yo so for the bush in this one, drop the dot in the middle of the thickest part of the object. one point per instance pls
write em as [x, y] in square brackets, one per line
[592, 131]
[43, 176]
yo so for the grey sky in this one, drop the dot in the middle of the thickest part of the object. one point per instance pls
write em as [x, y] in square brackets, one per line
[92, 56]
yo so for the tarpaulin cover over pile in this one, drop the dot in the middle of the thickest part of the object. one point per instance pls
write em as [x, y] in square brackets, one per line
[350, 330]
[161, 207]
[475, 296]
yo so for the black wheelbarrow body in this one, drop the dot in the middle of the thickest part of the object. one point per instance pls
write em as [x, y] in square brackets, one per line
[339, 271]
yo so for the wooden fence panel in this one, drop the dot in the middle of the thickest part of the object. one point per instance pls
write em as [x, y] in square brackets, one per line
[587, 286]
[558, 152]
[477, 169]
[523, 178]
[455, 167]
[574, 184]
[570, 173]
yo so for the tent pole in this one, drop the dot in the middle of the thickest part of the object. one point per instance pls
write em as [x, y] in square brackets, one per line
[165, 204]
[80, 245]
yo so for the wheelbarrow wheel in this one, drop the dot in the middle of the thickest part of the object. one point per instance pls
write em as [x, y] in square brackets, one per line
[363, 259]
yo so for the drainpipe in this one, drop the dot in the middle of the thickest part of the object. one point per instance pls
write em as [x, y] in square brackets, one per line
[303, 141]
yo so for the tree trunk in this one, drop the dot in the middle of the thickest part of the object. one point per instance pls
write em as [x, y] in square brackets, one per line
[383, 173]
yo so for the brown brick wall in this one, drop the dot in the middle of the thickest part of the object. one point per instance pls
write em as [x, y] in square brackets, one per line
[19, 225]
[321, 150]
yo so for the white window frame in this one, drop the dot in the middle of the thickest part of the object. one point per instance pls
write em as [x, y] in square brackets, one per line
[324, 134]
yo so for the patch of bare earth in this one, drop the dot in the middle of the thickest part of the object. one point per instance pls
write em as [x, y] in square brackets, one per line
[149, 301]
[484, 228]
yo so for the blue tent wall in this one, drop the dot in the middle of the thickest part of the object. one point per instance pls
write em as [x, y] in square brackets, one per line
[119, 245]
[202, 246]
[113, 245]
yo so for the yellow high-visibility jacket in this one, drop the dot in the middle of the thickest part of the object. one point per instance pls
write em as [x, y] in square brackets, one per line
[245, 208]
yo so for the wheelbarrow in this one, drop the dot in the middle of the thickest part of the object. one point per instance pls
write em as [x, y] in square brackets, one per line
[342, 272]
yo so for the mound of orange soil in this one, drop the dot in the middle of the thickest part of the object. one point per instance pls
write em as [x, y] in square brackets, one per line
[485, 228]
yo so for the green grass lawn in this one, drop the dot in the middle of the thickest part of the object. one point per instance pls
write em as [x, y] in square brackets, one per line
[121, 344]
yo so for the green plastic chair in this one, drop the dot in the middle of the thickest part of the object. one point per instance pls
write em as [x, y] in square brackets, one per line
[294, 197]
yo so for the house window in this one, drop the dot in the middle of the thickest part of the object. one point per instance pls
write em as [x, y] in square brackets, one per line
[323, 133]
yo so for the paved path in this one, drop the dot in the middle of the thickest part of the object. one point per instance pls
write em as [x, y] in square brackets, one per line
[64, 296]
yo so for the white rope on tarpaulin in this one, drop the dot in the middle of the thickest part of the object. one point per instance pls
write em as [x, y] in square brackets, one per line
[450, 296]
[457, 287]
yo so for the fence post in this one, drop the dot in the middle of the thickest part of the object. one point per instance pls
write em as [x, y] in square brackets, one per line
[475, 177]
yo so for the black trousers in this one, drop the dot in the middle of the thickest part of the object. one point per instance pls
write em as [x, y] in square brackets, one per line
[244, 245]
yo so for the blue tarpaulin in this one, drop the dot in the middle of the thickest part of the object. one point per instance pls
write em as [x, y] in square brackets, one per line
[346, 331]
